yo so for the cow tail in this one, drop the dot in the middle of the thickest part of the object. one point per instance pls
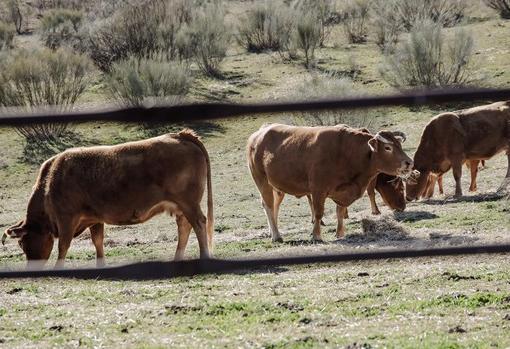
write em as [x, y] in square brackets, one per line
[193, 137]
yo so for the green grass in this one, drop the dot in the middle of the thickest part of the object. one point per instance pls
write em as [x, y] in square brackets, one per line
[457, 302]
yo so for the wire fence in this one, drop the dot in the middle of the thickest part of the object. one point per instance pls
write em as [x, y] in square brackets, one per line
[209, 111]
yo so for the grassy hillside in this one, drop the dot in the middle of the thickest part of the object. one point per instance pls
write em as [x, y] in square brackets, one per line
[428, 302]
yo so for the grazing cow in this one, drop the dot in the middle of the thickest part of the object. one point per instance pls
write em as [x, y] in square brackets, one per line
[450, 139]
[122, 184]
[324, 162]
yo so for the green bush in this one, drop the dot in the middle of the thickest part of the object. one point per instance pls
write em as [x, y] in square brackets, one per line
[43, 78]
[429, 59]
[502, 6]
[134, 81]
[207, 36]
[6, 35]
[60, 27]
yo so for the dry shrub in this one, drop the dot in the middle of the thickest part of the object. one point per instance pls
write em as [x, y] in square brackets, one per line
[133, 82]
[60, 26]
[355, 19]
[323, 11]
[502, 6]
[43, 78]
[17, 13]
[323, 86]
[384, 227]
[267, 27]
[429, 59]
[307, 36]
[387, 24]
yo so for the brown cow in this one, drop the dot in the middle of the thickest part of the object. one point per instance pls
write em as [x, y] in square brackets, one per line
[450, 139]
[334, 162]
[472, 165]
[122, 184]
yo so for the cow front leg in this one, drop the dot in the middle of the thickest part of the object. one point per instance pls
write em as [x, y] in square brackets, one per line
[431, 186]
[318, 209]
[183, 231]
[371, 196]
[341, 212]
[97, 236]
[440, 184]
[64, 242]
[473, 167]
[457, 175]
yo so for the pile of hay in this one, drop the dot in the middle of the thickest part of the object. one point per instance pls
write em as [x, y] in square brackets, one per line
[385, 227]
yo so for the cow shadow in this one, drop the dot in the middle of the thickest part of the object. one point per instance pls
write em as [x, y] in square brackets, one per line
[413, 216]
[485, 197]
[202, 128]
[37, 151]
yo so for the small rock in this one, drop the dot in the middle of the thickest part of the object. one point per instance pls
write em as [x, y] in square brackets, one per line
[56, 328]
[506, 317]
[305, 321]
[363, 273]
[15, 290]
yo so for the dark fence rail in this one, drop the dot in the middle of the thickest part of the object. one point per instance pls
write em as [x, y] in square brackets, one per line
[201, 111]
[165, 270]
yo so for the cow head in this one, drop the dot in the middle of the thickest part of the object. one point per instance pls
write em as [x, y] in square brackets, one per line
[35, 243]
[417, 184]
[388, 155]
[392, 191]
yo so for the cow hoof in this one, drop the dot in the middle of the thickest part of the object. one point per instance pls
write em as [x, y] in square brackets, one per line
[376, 213]
[278, 239]
[317, 241]
[322, 223]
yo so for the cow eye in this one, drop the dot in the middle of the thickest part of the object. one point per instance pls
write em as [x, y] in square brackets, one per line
[388, 148]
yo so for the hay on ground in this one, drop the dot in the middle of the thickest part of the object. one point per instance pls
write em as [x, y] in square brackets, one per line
[384, 227]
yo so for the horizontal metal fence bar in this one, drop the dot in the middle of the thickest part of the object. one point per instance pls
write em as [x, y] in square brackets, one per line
[166, 270]
[202, 111]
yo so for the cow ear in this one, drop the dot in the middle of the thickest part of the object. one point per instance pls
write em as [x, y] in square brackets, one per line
[372, 143]
[16, 232]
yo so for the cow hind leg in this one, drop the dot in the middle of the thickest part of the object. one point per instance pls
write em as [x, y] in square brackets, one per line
[183, 231]
[97, 236]
[196, 218]
[431, 186]
[268, 203]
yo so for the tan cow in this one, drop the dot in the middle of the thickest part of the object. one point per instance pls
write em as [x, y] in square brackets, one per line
[324, 162]
[122, 184]
[450, 139]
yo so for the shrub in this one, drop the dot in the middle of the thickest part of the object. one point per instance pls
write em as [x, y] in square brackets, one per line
[387, 24]
[6, 35]
[134, 81]
[328, 86]
[355, 18]
[16, 14]
[307, 36]
[43, 78]
[323, 10]
[428, 59]
[60, 27]
[140, 30]
[502, 6]
[266, 27]
[446, 12]
[207, 36]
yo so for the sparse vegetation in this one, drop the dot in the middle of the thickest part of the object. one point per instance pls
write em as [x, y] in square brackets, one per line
[429, 59]
[387, 24]
[16, 13]
[502, 6]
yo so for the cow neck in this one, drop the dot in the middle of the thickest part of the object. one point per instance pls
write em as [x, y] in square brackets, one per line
[36, 213]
